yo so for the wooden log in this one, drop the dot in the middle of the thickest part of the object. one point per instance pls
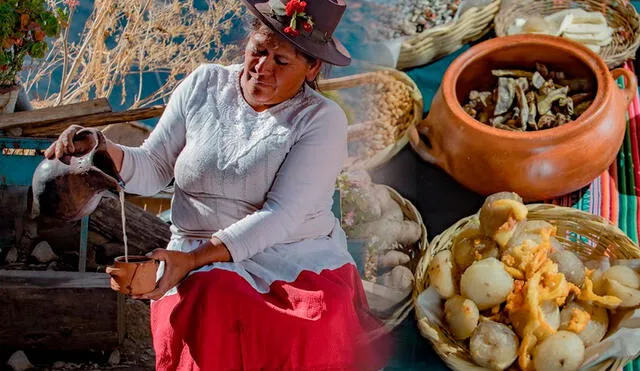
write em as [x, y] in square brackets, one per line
[48, 115]
[99, 119]
[145, 231]
[131, 134]
[59, 311]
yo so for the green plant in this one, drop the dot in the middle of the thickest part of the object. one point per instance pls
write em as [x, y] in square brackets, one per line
[24, 24]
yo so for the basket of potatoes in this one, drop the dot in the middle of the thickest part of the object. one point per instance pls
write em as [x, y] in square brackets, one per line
[530, 287]
[392, 237]
[381, 107]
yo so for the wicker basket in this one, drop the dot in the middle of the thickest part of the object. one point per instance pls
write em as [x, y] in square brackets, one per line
[392, 306]
[620, 15]
[384, 155]
[410, 213]
[599, 238]
[445, 39]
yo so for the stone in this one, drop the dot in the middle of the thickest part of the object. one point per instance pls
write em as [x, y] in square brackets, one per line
[12, 256]
[114, 358]
[19, 361]
[43, 252]
[59, 364]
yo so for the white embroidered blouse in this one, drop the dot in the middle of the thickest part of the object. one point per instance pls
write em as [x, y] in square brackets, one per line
[253, 179]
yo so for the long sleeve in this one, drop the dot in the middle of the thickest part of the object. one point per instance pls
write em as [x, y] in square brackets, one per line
[147, 169]
[305, 179]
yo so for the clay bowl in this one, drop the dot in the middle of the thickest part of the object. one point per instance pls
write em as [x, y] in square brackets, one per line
[537, 165]
[135, 277]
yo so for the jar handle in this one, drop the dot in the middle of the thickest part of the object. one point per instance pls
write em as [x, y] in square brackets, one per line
[429, 152]
[631, 83]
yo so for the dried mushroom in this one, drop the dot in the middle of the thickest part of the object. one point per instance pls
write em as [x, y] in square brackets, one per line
[511, 73]
[530, 100]
[545, 101]
[523, 106]
[537, 80]
[506, 92]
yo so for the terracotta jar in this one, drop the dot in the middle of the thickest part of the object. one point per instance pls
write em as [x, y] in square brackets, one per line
[537, 165]
[135, 277]
[71, 188]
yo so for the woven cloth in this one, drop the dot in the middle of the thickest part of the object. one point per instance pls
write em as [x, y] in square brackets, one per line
[614, 194]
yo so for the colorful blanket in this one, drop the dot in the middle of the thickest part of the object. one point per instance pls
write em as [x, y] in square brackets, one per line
[614, 194]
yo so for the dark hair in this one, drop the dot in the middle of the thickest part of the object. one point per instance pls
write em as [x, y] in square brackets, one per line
[258, 27]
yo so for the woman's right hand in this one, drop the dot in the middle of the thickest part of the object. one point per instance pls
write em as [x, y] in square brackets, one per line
[69, 143]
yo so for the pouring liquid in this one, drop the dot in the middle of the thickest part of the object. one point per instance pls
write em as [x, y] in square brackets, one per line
[124, 230]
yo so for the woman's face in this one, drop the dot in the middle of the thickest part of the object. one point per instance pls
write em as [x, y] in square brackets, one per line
[273, 70]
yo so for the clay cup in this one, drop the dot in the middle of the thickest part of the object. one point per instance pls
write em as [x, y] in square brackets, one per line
[135, 277]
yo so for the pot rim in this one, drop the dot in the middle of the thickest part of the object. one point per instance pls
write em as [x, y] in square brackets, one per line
[589, 58]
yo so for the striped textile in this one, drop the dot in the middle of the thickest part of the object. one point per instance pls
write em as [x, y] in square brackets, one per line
[614, 194]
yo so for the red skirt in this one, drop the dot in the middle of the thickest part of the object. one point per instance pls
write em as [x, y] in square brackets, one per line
[218, 321]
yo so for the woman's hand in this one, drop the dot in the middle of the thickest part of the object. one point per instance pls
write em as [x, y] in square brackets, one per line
[177, 265]
[68, 143]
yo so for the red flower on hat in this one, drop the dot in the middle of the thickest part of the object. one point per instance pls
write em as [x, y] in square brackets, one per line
[291, 31]
[295, 10]
[295, 6]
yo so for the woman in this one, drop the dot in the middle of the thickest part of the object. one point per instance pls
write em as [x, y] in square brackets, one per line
[257, 274]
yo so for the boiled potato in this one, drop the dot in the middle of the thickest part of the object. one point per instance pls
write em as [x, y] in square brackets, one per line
[442, 274]
[550, 314]
[493, 345]
[562, 351]
[470, 249]
[462, 316]
[499, 216]
[530, 231]
[596, 327]
[486, 283]
[597, 277]
[624, 275]
[630, 297]
[570, 265]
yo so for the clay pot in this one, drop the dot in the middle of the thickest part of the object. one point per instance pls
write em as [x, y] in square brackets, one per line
[135, 277]
[537, 165]
[71, 187]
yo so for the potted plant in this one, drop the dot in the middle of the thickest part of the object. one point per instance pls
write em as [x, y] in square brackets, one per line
[24, 25]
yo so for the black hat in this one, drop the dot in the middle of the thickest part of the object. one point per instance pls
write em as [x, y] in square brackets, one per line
[307, 24]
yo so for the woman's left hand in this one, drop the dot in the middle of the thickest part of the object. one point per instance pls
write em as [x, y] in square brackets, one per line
[177, 265]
